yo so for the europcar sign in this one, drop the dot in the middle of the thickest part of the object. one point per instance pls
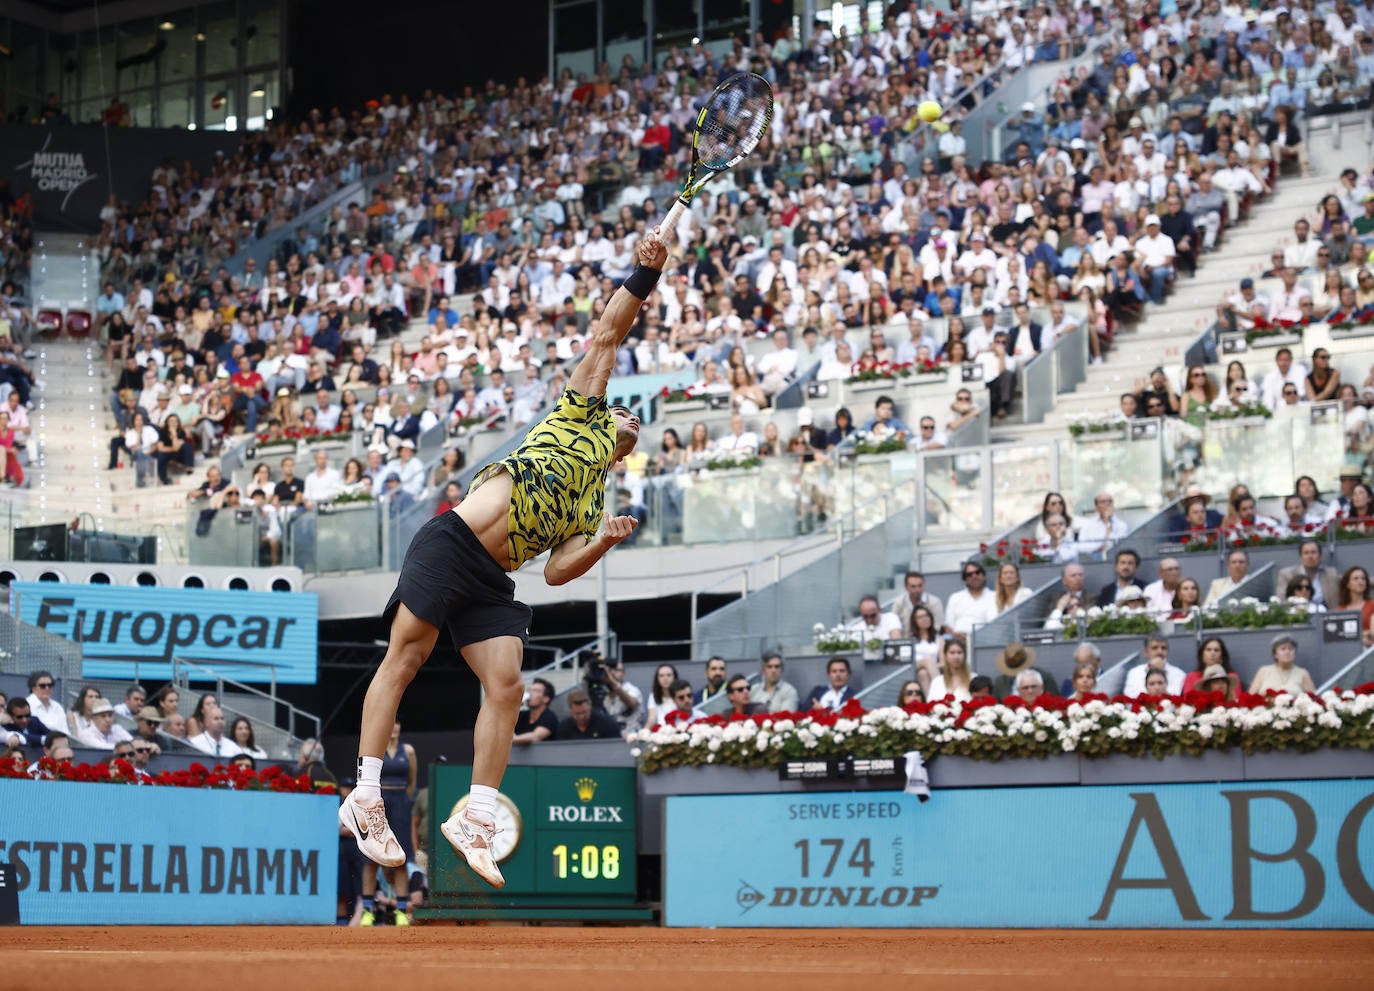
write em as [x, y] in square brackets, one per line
[1300, 853]
[245, 635]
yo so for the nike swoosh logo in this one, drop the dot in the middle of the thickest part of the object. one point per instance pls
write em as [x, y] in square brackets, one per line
[362, 828]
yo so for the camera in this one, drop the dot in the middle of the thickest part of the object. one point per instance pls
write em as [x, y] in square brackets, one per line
[596, 675]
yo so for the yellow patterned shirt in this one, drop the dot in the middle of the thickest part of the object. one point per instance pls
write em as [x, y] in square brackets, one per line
[558, 476]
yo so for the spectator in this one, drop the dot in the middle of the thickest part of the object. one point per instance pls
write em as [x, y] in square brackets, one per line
[738, 440]
[1072, 579]
[323, 484]
[1325, 580]
[737, 691]
[915, 595]
[1057, 547]
[771, 692]
[211, 740]
[838, 692]
[585, 722]
[536, 723]
[1211, 653]
[102, 732]
[955, 677]
[1156, 660]
[875, 623]
[42, 705]
[1098, 534]
[715, 681]
[195, 723]
[134, 697]
[1283, 675]
[1355, 595]
[971, 606]
[1160, 593]
[1127, 563]
[174, 726]
[146, 724]
[241, 733]
[624, 702]
[1030, 685]
[1014, 660]
[1010, 591]
[1237, 570]
[1083, 682]
[23, 729]
[909, 692]
[683, 707]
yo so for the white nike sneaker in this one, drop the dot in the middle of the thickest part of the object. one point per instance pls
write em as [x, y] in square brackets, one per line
[473, 840]
[367, 822]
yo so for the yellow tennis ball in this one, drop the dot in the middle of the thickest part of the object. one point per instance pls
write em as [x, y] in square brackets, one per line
[929, 111]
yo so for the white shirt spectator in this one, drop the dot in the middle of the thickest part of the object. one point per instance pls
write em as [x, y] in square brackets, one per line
[223, 747]
[90, 736]
[963, 612]
[1271, 388]
[51, 715]
[1096, 536]
[748, 440]
[1160, 599]
[1135, 680]
[1157, 251]
[322, 485]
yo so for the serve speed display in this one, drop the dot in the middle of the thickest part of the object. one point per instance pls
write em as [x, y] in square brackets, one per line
[566, 837]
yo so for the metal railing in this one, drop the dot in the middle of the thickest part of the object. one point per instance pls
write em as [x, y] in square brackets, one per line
[1359, 671]
[184, 672]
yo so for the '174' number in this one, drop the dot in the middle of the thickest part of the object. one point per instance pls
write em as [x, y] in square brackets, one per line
[860, 856]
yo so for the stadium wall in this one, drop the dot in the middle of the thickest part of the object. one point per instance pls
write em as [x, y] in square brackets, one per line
[83, 854]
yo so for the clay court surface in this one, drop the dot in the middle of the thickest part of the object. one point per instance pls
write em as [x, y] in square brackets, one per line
[497, 958]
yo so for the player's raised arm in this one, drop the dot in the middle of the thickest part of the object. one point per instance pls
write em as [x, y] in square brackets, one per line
[592, 373]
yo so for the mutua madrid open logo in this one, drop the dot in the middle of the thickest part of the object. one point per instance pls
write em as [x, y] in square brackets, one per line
[57, 171]
[586, 811]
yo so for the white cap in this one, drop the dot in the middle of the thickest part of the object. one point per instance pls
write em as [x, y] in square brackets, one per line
[408, 443]
[1028, 107]
[1152, 219]
[805, 417]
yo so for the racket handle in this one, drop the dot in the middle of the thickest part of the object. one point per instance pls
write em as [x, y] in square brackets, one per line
[665, 229]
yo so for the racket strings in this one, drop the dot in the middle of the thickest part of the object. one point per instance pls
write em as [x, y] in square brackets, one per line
[730, 132]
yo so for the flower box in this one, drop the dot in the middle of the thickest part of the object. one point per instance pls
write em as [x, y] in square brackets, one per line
[971, 772]
[1294, 765]
[1119, 769]
[685, 406]
[1287, 340]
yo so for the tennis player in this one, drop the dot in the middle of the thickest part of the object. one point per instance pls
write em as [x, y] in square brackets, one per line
[547, 496]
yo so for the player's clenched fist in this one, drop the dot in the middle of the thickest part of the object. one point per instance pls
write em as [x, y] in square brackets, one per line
[616, 528]
[652, 251]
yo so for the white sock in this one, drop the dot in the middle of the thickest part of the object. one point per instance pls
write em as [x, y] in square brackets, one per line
[369, 779]
[482, 803]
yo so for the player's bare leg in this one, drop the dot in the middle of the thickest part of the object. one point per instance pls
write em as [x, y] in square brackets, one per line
[496, 662]
[362, 813]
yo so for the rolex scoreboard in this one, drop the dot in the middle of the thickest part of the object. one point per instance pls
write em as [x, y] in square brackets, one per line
[565, 842]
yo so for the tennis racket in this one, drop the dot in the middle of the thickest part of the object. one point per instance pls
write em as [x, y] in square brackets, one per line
[728, 128]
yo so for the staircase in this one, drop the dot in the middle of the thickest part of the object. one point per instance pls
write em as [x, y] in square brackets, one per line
[1165, 333]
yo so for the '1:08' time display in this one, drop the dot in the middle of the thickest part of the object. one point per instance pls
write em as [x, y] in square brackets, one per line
[590, 861]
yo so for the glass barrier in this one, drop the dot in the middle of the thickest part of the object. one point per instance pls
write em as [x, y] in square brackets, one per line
[1127, 462]
[1020, 478]
[335, 538]
[954, 500]
[225, 537]
[1268, 455]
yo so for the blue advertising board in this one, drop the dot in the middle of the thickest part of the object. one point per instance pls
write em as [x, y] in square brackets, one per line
[1295, 853]
[160, 855]
[243, 635]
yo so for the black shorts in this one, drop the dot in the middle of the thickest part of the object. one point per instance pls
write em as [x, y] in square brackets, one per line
[450, 581]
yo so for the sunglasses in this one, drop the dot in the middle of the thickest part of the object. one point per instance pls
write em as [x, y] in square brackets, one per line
[911, 691]
[43, 684]
[973, 574]
[740, 688]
